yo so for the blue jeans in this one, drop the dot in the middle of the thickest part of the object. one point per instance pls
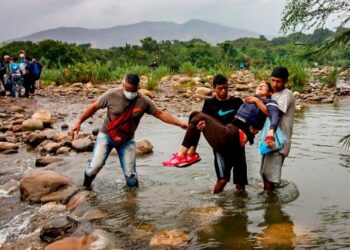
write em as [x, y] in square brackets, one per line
[16, 81]
[127, 157]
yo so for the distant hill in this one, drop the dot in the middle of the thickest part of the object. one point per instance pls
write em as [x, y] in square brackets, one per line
[132, 34]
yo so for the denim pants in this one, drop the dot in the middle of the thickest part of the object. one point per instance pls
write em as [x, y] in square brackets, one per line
[127, 157]
[16, 85]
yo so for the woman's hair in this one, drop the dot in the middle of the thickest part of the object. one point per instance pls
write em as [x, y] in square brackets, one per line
[268, 85]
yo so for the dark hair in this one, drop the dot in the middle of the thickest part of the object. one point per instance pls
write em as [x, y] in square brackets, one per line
[219, 80]
[28, 58]
[280, 72]
[133, 79]
[269, 86]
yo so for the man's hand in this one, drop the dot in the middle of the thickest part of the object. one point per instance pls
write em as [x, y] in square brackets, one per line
[270, 139]
[201, 125]
[251, 99]
[75, 130]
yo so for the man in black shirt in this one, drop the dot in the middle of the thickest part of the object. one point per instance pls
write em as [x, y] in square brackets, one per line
[223, 108]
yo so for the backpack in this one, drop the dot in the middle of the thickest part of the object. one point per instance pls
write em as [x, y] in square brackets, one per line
[36, 67]
[15, 69]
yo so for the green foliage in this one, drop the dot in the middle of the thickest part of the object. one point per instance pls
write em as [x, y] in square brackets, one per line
[49, 76]
[346, 141]
[155, 77]
[261, 74]
[330, 80]
[189, 69]
[298, 76]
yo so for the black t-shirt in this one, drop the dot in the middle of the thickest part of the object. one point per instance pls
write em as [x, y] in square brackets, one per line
[224, 111]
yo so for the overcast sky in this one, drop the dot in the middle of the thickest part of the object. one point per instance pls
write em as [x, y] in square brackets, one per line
[23, 17]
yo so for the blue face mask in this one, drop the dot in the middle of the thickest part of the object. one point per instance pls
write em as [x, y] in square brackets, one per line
[129, 95]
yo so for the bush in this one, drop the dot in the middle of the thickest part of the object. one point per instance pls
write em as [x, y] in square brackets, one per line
[261, 74]
[298, 76]
[155, 77]
[330, 80]
[52, 75]
[189, 69]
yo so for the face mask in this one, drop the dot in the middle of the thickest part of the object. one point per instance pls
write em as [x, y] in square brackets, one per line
[21, 55]
[129, 95]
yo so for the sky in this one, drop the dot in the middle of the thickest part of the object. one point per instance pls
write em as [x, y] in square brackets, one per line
[20, 18]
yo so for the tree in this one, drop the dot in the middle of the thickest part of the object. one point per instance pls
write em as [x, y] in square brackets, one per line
[307, 14]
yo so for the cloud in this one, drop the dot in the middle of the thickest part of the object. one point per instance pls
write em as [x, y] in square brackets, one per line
[25, 17]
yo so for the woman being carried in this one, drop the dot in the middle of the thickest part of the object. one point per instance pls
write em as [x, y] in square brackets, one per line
[230, 139]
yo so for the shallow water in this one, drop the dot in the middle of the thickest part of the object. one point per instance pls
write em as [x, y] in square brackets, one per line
[181, 199]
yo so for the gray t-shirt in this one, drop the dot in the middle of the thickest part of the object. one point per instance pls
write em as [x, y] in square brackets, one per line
[286, 105]
[116, 103]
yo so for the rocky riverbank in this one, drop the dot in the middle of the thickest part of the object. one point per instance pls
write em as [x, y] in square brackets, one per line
[40, 127]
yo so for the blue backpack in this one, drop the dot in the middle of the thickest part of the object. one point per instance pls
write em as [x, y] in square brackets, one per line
[36, 70]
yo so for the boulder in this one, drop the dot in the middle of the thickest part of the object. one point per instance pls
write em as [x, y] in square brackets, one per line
[4, 146]
[34, 139]
[61, 195]
[44, 161]
[73, 243]
[185, 79]
[77, 200]
[94, 214]
[64, 126]
[146, 92]
[204, 91]
[77, 85]
[16, 109]
[89, 86]
[32, 125]
[57, 229]
[169, 239]
[242, 87]
[52, 147]
[62, 150]
[37, 183]
[143, 147]
[17, 128]
[82, 145]
[44, 116]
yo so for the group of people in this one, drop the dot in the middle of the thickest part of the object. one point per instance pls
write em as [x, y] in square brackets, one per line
[227, 123]
[16, 73]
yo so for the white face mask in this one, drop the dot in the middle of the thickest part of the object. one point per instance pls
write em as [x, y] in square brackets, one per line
[129, 95]
[21, 55]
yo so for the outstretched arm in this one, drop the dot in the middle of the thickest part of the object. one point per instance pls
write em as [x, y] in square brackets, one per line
[168, 118]
[89, 111]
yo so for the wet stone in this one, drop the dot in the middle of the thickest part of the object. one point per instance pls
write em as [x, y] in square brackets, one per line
[57, 229]
[44, 161]
[64, 126]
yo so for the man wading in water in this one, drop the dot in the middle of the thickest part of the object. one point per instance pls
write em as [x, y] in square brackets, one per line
[125, 108]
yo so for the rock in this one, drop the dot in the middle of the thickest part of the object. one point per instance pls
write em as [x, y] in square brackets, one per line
[16, 109]
[44, 161]
[146, 92]
[327, 100]
[44, 116]
[17, 128]
[64, 126]
[185, 79]
[52, 147]
[37, 183]
[204, 91]
[169, 239]
[49, 133]
[57, 229]
[10, 151]
[62, 138]
[62, 195]
[242, 87]
[296, 94]
[143, 147]
[32, 125]
[52, 207]
[62, 150]
[73, 243]
[77, 200]
[35, 139]
[82, 145]
[94, 214]
[2, 138]
[78, 85]
[4, 146]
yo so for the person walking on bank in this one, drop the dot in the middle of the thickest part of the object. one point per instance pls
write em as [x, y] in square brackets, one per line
[271, 164]
[125, 108]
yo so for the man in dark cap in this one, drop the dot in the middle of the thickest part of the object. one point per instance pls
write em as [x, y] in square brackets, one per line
[271, 164]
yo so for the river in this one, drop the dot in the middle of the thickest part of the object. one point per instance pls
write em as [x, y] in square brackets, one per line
[181, 199]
